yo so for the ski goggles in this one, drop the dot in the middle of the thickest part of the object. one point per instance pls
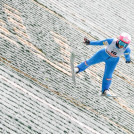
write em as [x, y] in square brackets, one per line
[121, 43]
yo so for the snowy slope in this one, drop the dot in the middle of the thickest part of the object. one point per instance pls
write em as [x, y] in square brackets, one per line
[36, 90]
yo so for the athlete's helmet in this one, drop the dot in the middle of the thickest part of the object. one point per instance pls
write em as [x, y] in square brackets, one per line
[125, 37]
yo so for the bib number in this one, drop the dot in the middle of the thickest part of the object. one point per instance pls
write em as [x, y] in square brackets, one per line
[113, 52]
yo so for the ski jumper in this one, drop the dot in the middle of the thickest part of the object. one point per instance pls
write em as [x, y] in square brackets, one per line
[110, 55]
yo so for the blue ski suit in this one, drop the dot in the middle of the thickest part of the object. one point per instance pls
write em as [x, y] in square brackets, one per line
[110, 55]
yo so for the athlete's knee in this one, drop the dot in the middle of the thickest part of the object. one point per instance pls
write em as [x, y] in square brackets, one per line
[108, 79]
[107, 76]
[86, 63]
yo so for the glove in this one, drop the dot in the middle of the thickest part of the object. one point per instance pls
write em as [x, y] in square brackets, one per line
[86, 41]
[128, 61]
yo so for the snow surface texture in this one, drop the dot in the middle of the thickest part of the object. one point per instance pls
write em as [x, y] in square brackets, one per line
[36, 90]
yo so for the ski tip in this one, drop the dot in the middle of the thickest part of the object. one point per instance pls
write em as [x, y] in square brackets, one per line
[72, 54]
[109, 95]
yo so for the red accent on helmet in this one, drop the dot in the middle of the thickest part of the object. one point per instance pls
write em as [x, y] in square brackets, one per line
[125, 37]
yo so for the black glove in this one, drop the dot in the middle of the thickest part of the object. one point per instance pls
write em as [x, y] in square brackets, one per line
[86, 41]
[128, 61]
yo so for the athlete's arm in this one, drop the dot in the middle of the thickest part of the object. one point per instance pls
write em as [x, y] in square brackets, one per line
[127, 55]
[100, 43]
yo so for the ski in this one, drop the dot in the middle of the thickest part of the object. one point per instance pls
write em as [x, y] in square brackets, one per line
[110, 96]
[107, 93]
[72, 58]
[114, 96]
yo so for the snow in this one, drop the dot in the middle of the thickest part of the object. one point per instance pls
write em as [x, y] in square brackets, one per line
[36, 89]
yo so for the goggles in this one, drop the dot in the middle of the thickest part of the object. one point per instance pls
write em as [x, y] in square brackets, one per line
[121, 43]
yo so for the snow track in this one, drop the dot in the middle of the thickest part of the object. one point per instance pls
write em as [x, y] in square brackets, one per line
[36, 89]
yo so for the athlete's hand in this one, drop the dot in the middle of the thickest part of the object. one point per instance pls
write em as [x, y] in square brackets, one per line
[128, 61]
[86, 41]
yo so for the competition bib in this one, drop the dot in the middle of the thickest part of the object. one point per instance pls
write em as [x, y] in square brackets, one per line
[113, 50]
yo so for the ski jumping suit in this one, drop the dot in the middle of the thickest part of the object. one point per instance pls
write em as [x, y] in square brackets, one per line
[110, 55]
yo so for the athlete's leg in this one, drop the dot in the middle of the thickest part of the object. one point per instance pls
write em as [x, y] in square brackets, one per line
[96, 58]
[109, 69]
